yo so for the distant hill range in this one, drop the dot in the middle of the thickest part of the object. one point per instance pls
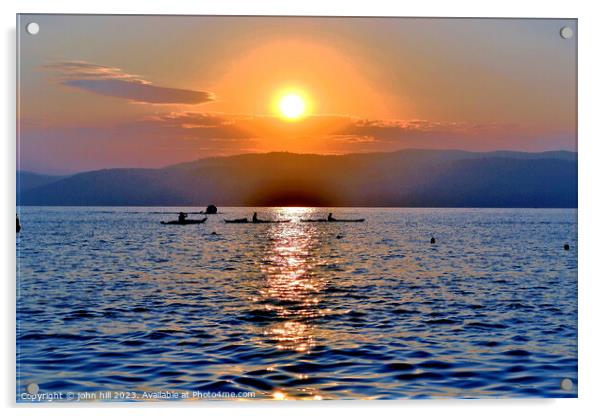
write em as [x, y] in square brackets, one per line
[407, 178]
[29, 180]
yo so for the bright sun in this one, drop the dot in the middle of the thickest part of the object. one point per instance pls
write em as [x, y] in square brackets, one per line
[291, 106]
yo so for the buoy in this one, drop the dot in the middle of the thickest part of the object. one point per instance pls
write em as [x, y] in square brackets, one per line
[566, 247]
[433, 240]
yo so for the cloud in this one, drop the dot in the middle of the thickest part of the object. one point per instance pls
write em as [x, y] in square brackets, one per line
[138, 92]
[352, 139]
[113, 82]
[338, 134]
[336, 128]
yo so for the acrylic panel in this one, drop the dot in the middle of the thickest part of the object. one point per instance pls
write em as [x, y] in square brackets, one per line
[295, 208]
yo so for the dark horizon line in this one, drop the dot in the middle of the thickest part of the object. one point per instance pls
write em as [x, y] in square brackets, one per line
[202, 206]
[304, 154]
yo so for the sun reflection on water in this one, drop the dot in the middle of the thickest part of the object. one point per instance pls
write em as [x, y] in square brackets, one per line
[292, 287]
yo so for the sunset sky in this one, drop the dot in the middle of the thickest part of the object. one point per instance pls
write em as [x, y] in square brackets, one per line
[103, 92]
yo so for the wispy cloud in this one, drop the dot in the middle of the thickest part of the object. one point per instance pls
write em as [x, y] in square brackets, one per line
[114, 82]
[337, 128]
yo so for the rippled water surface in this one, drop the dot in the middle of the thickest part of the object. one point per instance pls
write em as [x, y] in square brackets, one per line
[111, 300]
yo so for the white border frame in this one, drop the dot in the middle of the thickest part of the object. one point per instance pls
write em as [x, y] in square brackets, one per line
[590, 66]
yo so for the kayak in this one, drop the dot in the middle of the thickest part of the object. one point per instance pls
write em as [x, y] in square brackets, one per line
[185, 222]
[271, 222]
[237, 221]
[323, 220]
[246, 221]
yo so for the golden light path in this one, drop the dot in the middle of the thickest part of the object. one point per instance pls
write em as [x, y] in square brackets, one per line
[291, 286]
[292, 289]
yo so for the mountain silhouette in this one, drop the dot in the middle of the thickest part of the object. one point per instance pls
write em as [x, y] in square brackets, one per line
[407, 178]
[29, 180]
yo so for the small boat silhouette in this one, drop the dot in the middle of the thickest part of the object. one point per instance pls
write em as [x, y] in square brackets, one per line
[254, 220]
[246, 221]
[330, 218]
[184, 222]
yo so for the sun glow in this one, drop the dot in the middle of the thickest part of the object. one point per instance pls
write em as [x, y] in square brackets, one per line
[292, 105]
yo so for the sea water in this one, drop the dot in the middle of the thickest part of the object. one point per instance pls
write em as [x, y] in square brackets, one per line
[112, 305]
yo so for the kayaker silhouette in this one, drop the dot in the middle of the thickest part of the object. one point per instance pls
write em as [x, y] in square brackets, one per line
[255, 219]
[330, 218]
[182, 217]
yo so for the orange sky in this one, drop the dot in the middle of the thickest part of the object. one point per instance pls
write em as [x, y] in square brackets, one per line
[116, 91]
